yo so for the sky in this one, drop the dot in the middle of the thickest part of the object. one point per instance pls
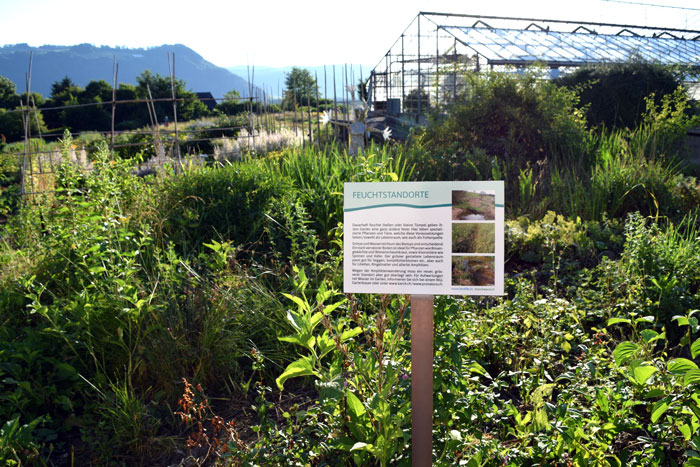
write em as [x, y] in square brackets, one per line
[287, 32]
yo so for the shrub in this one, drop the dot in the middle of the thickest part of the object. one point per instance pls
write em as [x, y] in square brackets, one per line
[614, 95]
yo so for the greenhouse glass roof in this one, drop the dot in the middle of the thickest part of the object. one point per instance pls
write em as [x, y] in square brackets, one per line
[513, 47]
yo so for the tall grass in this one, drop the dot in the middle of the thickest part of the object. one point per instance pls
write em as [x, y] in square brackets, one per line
[624, 178]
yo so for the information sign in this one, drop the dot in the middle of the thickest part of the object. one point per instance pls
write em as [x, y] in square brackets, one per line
[436, 238]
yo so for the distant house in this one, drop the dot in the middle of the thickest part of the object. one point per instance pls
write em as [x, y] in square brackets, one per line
[207, 99]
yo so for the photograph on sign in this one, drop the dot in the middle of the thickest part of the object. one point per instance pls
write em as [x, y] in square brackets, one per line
[439, 238]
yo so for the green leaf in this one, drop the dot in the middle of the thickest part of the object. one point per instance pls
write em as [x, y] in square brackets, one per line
[681, 365]
[474, 367]
[649, 334]
[692, 406]
[355, 407]
[360, 446]
[325, 344]
[350, 333]
[692, 462]
[301, 367]
[691, 377]
[695, 348]
[624, 352]
[682, 320]
[303, 306]
[654, 393]
[645, 319]
[602, 401]
[658, 410]
[296, 320]
[642, 373]
[685, 430]
[612, 321]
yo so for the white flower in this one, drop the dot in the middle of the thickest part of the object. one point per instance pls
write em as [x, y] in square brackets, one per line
[386, 133]
[325, 117]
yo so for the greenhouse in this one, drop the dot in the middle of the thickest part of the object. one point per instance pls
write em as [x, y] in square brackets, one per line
[423, 67]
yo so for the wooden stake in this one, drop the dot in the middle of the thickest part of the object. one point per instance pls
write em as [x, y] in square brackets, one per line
[114, 103]
[172, 88]
[422, 380]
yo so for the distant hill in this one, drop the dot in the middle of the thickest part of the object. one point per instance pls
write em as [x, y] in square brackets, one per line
[84, 63]
[272, 78]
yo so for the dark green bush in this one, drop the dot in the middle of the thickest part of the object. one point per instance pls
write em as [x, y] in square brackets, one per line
[614, 95]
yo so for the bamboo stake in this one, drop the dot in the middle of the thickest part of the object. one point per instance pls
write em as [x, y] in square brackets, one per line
[38, 127]
[325, 95]
[27, 131]
[318, 122]
[172, 89]
[114, 104]
[335, 97]
[308, 108]
[345, 89]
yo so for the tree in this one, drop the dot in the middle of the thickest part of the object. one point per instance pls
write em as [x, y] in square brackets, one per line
[64, 92]
[300, 88]
[12, 126]
[189, 108]
[232, 104]
[8, 94]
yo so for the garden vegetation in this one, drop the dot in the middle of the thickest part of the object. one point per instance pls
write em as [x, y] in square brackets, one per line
[198, 318]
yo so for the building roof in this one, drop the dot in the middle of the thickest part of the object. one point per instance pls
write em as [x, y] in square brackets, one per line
[520, 41]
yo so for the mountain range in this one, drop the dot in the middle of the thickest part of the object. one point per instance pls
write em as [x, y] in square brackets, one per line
[85, 62]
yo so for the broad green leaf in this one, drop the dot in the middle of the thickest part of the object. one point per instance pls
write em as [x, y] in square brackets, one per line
[359, 420]
[301, 367]
[602, 401]
[645, 319]
[325, 344]
[566, 347]
[350, 333]
[692, 462]
[642, 373]
[293, 340]
[658, 410]
[474, 367]
[315, 319]
[333, 306]
[540, 421]
[649, 334]
[691, 405]
[685, 430]
[681, 365]
[681, 320]
[360, 446]
[355, 407]
[612, 321]
[695, 348]
[691, 377]
[624, 352]
[296, 320]
[303, 306]
[538, 395]
[654, 393]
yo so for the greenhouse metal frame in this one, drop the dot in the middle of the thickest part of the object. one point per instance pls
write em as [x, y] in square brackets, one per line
[424, 68]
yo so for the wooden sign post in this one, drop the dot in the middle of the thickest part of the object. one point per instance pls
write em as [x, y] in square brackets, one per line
[422, 379]
[423, 239]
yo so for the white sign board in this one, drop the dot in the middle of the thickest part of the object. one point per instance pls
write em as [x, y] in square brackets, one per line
[435, 238]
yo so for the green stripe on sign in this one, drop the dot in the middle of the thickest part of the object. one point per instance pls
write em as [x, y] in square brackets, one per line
[500, 205]
[414, 206]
